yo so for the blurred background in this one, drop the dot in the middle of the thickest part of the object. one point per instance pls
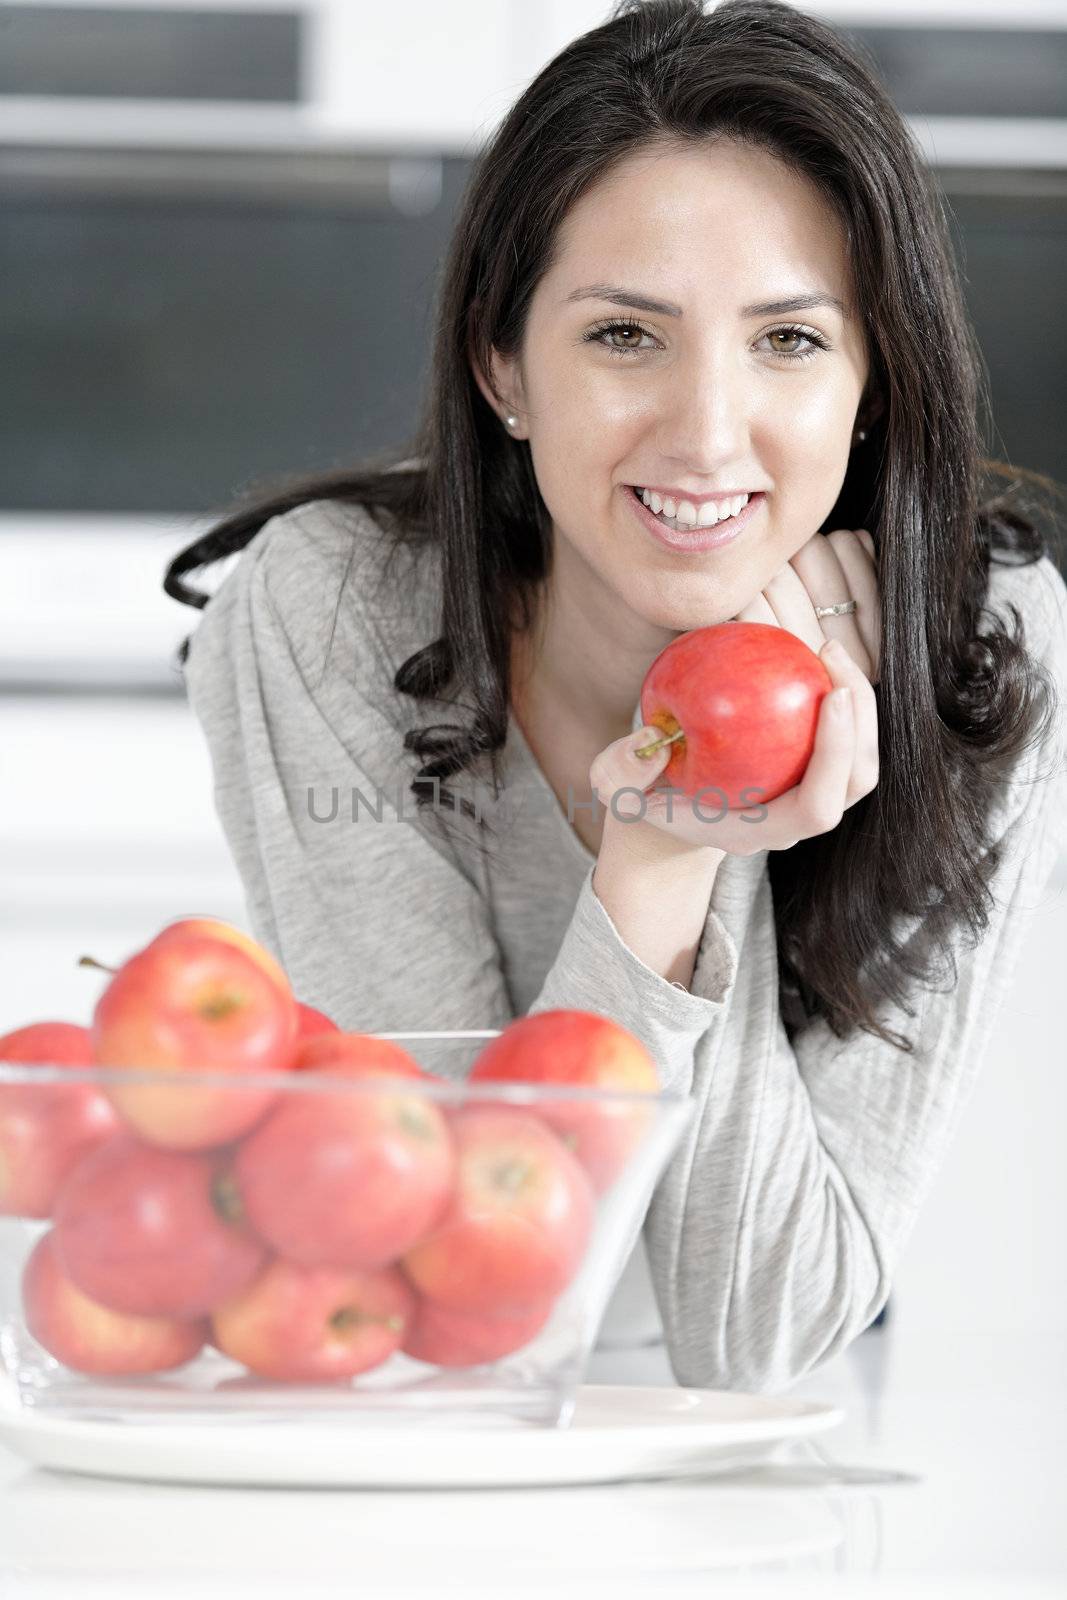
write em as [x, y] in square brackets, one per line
[220, 226]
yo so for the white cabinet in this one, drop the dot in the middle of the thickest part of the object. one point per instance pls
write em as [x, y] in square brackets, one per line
[421, 71]
[107, 831]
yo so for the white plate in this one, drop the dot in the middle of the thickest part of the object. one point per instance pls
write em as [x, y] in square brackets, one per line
[617, 1432]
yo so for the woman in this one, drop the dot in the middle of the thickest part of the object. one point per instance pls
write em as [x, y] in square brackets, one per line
[701, 257]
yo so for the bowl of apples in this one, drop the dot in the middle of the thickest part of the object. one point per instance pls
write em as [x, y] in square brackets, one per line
[216, 1203]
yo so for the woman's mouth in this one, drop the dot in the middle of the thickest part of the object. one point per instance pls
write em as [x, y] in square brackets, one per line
[686, 536]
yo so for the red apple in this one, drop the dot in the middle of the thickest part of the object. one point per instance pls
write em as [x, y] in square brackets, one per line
[591, 1052]
[745, 697]
[45, 1129]
[48, 1044]
[465, 1338]
[312, 1324]
[154, 1232]
[215, 928]
[187, 1004]
[312, 1022]
[346, 1179]
[88, 1337]
[519, 1221]
[359, 1053]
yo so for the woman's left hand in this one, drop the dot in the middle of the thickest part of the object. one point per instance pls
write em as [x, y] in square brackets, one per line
[831, 567]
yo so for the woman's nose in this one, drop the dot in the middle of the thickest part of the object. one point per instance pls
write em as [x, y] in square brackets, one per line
[705, 414]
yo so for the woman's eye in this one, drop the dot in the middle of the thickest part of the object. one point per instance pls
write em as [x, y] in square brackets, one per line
[624, 338]
[631, 333]
[813, 340]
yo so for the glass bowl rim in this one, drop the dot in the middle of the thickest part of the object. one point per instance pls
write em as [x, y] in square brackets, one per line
[288, 1081]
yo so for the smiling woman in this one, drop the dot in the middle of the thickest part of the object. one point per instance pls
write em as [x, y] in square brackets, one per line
[710, 403]
[700, 353]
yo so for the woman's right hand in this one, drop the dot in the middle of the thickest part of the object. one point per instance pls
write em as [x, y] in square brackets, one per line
[843, 768]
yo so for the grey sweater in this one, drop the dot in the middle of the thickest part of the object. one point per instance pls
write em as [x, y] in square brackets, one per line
[772, 1238]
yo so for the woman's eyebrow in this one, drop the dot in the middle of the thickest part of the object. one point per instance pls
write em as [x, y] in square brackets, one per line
[664, 308]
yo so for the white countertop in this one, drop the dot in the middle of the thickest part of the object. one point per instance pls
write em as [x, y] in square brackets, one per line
[979, 1415]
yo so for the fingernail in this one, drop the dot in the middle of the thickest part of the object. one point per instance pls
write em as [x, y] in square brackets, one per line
[841, 703]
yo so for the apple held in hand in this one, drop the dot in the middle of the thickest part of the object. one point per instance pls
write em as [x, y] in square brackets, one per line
[588, 1051]
[185, 1004]
[519, 1221]
[450, 1338]
[347, 1179]
[154, 1232]
[308, 1325]
[88, 1337]
[744, 699]
[45, 1129]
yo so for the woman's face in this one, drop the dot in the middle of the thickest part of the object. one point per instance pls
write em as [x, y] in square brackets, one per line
[713, 395]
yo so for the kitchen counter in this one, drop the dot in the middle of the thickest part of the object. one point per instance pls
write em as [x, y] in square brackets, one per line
[978, 1415]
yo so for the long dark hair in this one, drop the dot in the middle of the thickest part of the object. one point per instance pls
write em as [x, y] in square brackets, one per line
[954, 705]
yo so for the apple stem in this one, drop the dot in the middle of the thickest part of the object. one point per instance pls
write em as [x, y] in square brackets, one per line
[648, 750]
[91, 961]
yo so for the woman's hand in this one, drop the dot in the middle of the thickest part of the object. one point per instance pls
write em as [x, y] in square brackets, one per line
[844, 762]
[830, 567]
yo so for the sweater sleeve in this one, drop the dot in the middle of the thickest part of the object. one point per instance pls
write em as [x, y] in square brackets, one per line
[774, 1235]
[373, 921]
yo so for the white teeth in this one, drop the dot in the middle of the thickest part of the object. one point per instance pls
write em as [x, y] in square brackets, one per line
[688, 515]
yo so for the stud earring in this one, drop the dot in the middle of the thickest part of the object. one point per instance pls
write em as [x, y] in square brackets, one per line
[860, 435]
[509, 422]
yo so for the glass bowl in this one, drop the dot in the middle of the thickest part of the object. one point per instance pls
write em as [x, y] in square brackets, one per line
[257, 1248]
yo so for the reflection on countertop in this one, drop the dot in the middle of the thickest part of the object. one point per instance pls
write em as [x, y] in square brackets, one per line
[977, 1414]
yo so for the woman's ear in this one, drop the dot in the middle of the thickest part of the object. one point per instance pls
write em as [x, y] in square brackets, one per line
[872, 411]
[870, 408]
[502, 388]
